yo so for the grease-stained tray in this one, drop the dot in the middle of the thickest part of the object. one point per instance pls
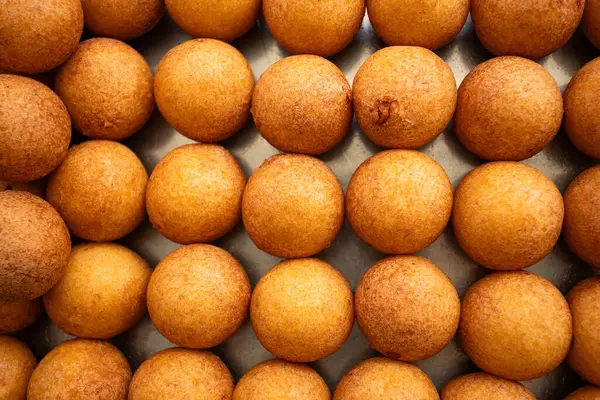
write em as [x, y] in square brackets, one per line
[559, 161]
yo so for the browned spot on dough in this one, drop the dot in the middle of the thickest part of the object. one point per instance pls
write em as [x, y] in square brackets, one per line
[385, 107]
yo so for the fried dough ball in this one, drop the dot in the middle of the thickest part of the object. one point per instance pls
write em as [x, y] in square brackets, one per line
[278, 379]
[81, 369]
[195, 194]
[182, 374]
[509, 108]
[36, 129]
[302, 310]
[485, 386]
[404, 97]
[322, 28]
[107, 87]
[507, 215]
[16, 366]
[198, 296]
[293, 206]
[383, 379]
[399, 201]
[99, 190]
[429, 24]
[407, 308]
[34, 246]
[38, 35]
[526, 28]
[515, 325]
[101, 294]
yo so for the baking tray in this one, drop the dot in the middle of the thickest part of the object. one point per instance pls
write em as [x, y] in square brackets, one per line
[559, 161]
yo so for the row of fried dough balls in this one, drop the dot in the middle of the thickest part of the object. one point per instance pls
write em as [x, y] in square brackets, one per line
[527, 28]
[513, 325]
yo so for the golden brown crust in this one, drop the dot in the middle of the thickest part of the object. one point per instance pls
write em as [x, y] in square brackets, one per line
[303, 104]
[34, 246]
[16, 366]
[302, 310]
[101, 294]
[182, 374]
[582, 221]
[81, 369]
[526, 28]
[195, 194]
[515, 325]
[507, 215]
[584, 357]
[224, 20]
[35, 126]
[189, 79]
[429, 24]
[585, 393]
[383, 379]
[122, 19]
[509, 108]
[320, 27]
[38, 35]
[293, 206]
[582, 109]
[198, 296]
[485, 386]
[107, 87]
[404, 96]
[399, 201]
[18, 315]
[99, 190]
[591, 21]
[282, 380]
[407, 308]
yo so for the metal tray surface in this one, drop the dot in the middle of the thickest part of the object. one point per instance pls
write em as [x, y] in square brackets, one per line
[560, 161]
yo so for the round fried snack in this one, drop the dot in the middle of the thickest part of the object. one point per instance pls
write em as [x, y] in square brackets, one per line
[107, 87]
[18, 315]
[99, 190]
[38, 35]
[429, 24]
[81, 369]
[582, 221]
[509, 108]
[101, 294]
[485, 386]
[399, 201]
[590, 23]
[407, 308]
[584, 357]
[182, 374]
[189, 79]
[278, 379]
[507, 215]
[224, 20]
[582, 109]
[404, 97]
[195, 194]
[383, 379]
[293, 206]
[320, 27]
[302, 310]
[303, 104]
[16, 365]
[198, 296]
[34, 246]
[526, 28]
[122, 19]
[585, 393]
[515, 325]
[35, 126]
